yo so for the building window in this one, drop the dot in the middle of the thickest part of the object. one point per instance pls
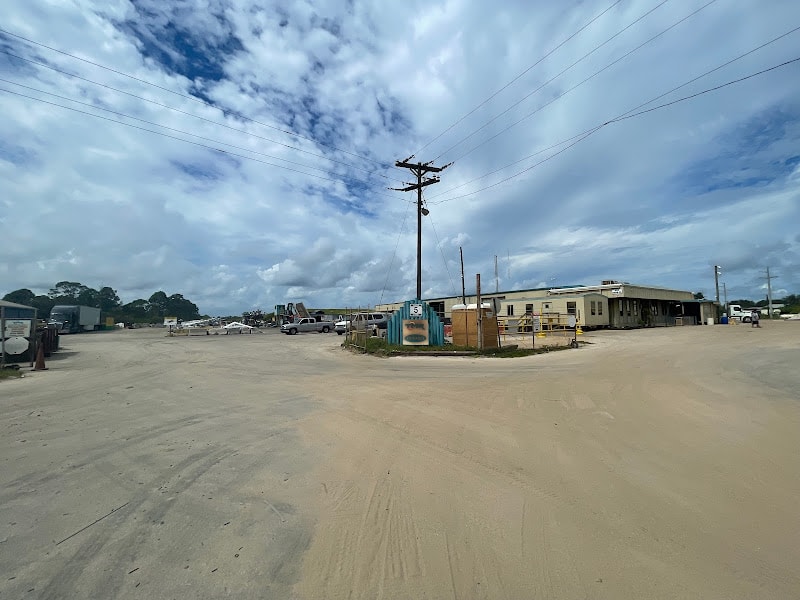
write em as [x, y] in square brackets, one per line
[599, 307]
[510, 310]
[621, 308]
[628, 307]
[546, 307]
[594, 307]
[572, 308]
[529, 309]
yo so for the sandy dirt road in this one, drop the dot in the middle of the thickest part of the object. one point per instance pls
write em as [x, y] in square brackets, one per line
[649, 464]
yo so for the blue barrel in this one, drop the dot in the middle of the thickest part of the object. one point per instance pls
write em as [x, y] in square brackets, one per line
[723, 321]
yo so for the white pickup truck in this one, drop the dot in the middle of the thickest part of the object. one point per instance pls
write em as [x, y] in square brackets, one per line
[306, 324]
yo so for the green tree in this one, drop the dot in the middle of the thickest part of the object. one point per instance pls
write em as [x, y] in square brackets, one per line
[43, 304]
[67, 292]
[790, 300]
[699, 296]
[158, 305]
[89, 297]
[108, 300]
[743, 303]
[133, 312]
[22, 296]
[178, 306]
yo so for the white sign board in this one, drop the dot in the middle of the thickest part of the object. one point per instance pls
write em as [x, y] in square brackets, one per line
[171, 321]
[17, 328]
[15, 345]
[537, 324]
[571, 321]
[415, 310]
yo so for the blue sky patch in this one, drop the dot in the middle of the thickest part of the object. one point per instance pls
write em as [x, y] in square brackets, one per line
[16, 155]
[192, 54]
[750, 155]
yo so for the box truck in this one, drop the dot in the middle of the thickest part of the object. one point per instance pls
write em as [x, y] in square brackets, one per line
[74, 319]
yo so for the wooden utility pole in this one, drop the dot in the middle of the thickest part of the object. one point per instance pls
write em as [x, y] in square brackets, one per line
[463, 289]
[769, 279]
[419, 170]
[480, 312]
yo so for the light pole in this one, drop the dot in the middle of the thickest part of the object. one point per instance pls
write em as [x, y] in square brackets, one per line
[717, 273]
[725, 293]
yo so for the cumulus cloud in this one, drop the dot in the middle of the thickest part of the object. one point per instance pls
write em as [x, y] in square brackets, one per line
[313, 103]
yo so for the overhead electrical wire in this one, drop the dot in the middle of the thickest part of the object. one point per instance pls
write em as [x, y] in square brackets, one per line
[625, 117]
[188, 96]
[635, 108]
[518, 77]
[556, 76]
[183, 112]
[127, 116]
[394, 254]
[444, 260]
[220, 150]
[577, 85]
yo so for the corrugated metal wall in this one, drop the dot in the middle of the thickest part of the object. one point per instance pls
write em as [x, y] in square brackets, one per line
[394, 331]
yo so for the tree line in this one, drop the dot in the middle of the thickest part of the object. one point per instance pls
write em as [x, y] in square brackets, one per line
[791, 303]
[152, 310]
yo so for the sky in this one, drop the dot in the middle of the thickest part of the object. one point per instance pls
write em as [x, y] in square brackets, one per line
[242, 153]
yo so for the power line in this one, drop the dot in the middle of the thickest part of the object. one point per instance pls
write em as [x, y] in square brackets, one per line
[220, 150]
[187, 96]
[183, 112]
[592, 76]
[127, 116]
[441, 251]
[650, 101]
[559, 74]
[706, 91]
[613, 4]
[624, 118]
[394, 254]
[503, 168]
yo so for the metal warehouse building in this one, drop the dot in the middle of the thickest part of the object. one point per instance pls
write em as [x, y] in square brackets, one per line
[611, 304]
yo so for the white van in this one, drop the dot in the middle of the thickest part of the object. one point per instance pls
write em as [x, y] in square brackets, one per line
[375, 321]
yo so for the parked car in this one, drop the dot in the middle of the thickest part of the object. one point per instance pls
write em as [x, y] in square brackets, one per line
[306, 324]
[342, 326]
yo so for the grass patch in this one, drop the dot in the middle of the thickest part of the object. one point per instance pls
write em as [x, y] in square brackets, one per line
[10, 374]
[380, 347]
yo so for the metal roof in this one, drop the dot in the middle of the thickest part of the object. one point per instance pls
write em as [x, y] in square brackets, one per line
[8, 304]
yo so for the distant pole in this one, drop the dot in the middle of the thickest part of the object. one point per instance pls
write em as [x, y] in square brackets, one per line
[725, 292]
[496, 276]
[480, 312]
[2, 336]
[769, 279]
[463, 289]
[716, 280]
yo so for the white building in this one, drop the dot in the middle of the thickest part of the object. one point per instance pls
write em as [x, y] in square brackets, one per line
[611, 304]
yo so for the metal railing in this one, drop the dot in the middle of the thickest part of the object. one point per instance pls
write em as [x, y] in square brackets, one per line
[550, 328]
